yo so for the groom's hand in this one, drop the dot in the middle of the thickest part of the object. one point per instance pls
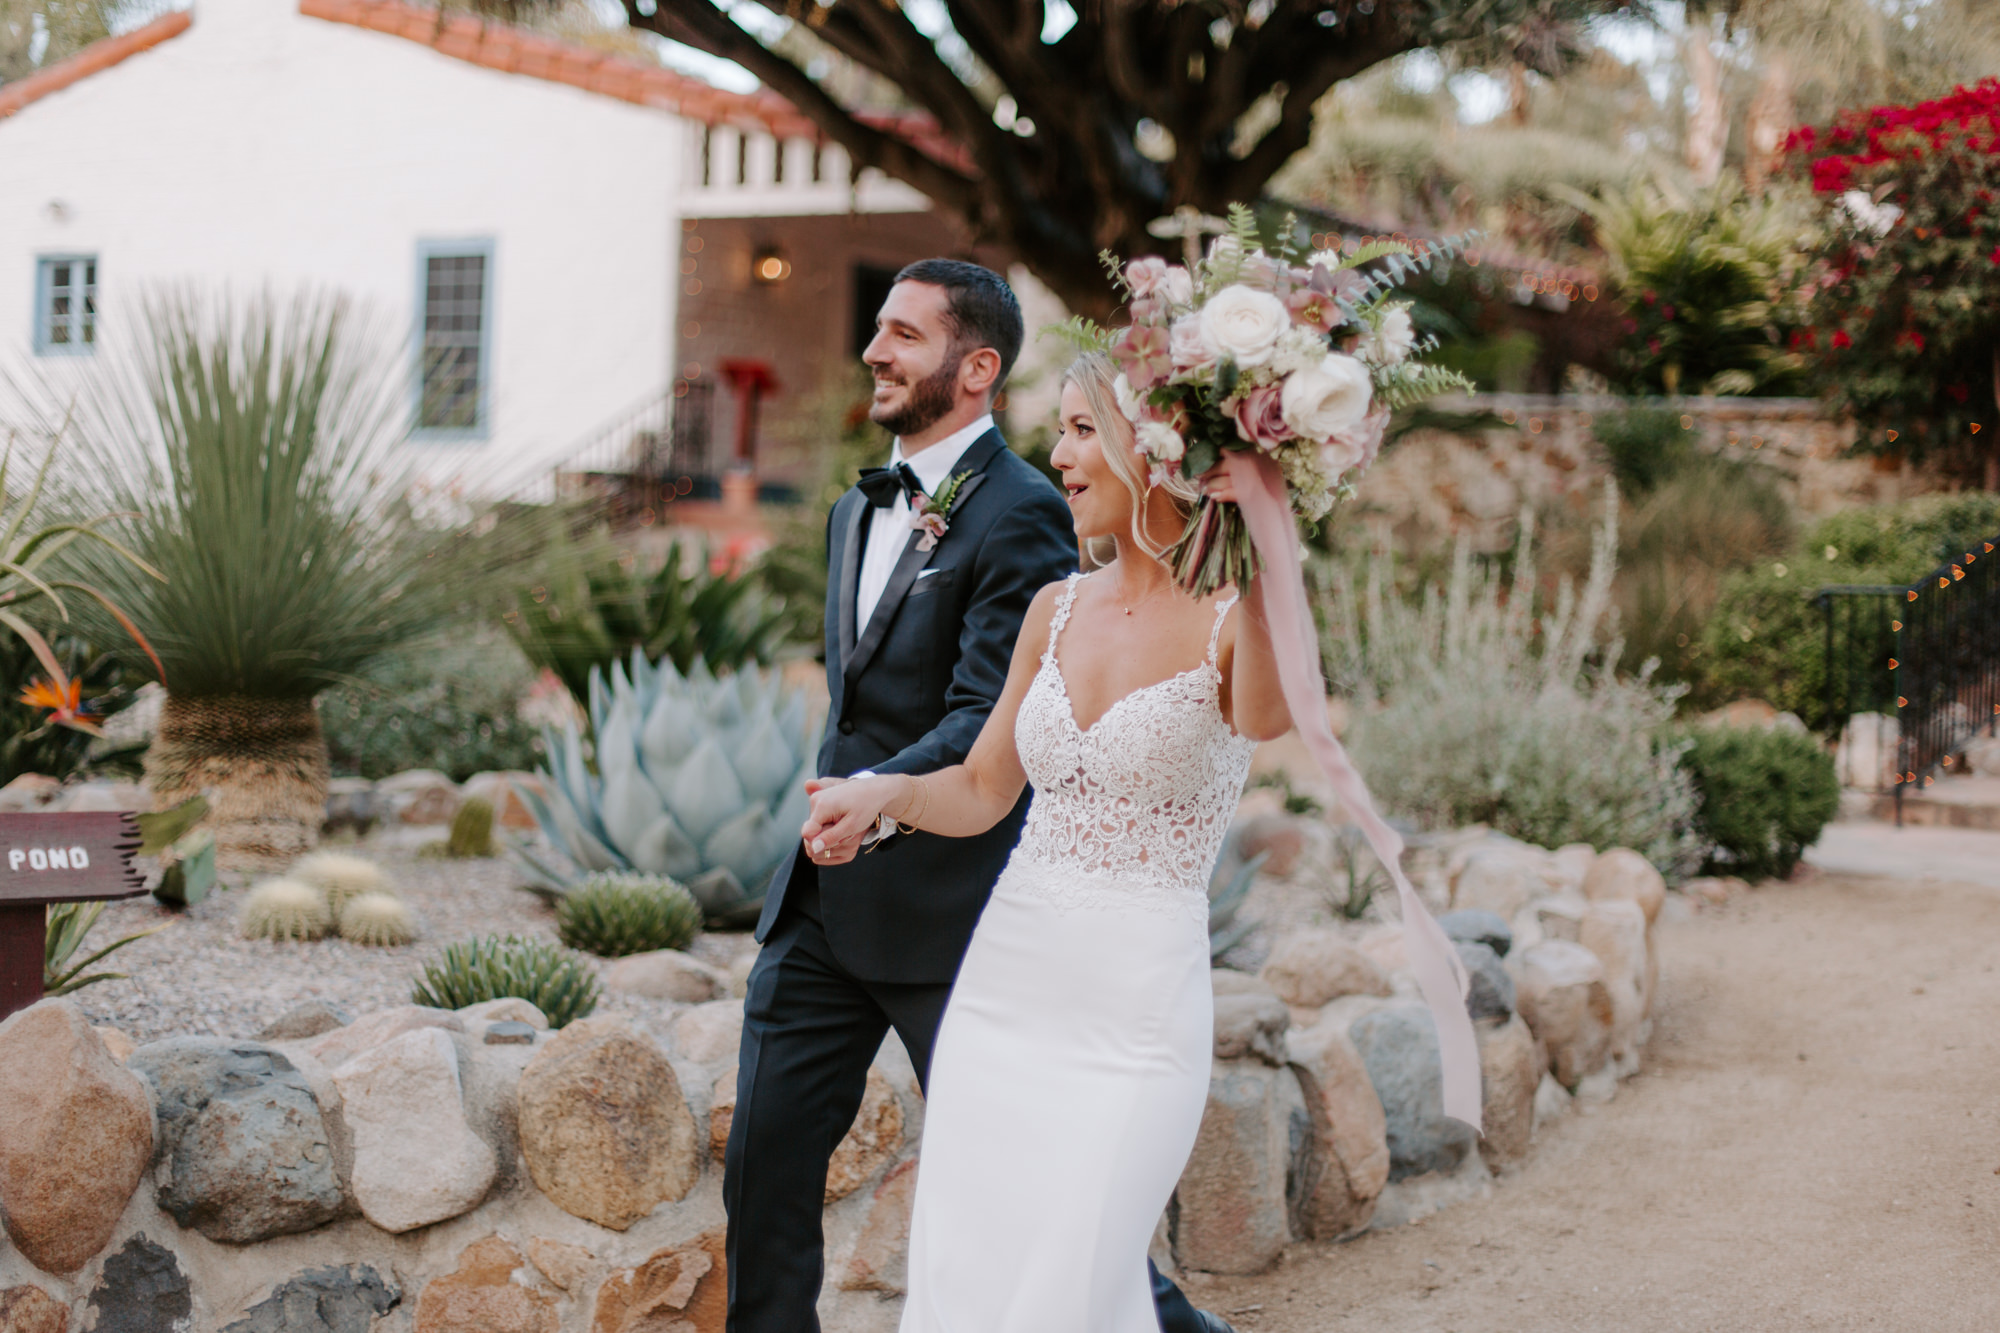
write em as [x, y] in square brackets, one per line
[824, 828]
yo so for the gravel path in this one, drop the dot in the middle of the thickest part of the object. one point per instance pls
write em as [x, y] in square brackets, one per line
[200, 976]
[1815, 1145]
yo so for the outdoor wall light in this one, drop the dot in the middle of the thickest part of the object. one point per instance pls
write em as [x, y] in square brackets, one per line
[768, 266]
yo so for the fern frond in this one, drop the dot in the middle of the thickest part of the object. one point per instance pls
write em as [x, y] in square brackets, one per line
[1084, 335]
[1428, 382]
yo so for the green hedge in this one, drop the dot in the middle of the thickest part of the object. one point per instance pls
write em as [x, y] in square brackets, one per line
[1765, 796]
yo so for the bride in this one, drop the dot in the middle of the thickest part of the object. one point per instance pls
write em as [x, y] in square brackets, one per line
[1072, 1066]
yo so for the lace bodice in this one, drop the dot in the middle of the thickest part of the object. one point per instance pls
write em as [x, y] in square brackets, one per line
[1133, 810]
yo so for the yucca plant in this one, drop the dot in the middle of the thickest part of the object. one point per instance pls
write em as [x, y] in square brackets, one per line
[557, 982]
[64, 929]
[600, 602]
[254, 453]
[695, 777]
[612, 915]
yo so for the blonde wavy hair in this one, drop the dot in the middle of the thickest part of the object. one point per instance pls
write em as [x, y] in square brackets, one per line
[1094, 374]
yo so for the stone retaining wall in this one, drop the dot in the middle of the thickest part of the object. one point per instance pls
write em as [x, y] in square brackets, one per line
[1434, 484]
[421, 1169]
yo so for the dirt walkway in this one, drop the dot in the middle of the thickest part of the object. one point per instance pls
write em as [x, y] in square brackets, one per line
[1815, 1144]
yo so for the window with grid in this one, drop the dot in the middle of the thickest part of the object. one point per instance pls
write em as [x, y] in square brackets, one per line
[66, 305]
[454, 341]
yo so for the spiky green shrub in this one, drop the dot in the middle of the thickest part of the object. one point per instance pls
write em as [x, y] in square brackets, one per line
[1227, 889]
[64, 928]
[1765, 796]
[379, 919]
[559, 983]
[452, 703]
[698, 778]
[471, 830]
[612, 915]
[285, 909]
[339, 877]
[1484, 702]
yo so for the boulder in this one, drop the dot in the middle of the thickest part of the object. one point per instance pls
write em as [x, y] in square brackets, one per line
[1616, 932]
[1398, 1044]
[667, 974]
[567, 1266]
[506, 1009]
[141, 1290]
[1561, 992]
[1982, 757]
[1625, 875]
[1228, 981]
[417, 1159]
[1310, 967]
[1349, 1164]
[739, 972]
[1715, 891]
[1500, 877]
[1552, 1100]
[350, 805]
[419, 796]
[1571, 863]
[28, 1309]
[1232, 1210]
[681, 1290]
[98, 797]
[879, 1260]
[509, 1033]
[1510, 1071]
[28, 793]
[502, 789]
[246, 1153]
[710, 1033]
[1559, 918]
[1280, 838]
[1251, 1025]
[1385, 948]
[481, 1296]
[335, 1048]
[875, 1137]
[347, 1299]
[116, 1044]
[1492, 991]
[604, 1128]
[721, 1114]
[304, 1021]
[1474, 926]
[74, 1138]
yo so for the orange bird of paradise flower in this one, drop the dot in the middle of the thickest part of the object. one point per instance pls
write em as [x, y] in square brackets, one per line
[64, 700]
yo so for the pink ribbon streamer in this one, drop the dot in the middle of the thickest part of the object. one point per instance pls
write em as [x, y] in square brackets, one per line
[1260, 492]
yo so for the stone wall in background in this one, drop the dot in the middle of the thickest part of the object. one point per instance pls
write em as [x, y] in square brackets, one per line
[1434, 484]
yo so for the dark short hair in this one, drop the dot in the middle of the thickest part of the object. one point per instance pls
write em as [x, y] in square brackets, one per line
[979, 306]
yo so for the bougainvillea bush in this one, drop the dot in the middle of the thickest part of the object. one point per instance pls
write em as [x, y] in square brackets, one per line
[1906, 321]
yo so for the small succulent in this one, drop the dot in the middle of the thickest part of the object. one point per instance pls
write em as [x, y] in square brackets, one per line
[285, 909]
[559, 983]
[339, 877]
[379, 919]
[471, 830]
[612, 915]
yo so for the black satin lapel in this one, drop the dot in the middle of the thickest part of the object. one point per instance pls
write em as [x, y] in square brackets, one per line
[850, 577]
[904, 576]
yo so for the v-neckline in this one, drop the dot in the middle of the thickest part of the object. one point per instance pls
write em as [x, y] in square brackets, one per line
[1069, 704]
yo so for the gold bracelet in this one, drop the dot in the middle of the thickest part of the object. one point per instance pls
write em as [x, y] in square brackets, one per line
[925, 788]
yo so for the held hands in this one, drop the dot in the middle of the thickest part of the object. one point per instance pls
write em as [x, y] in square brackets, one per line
[844, 811]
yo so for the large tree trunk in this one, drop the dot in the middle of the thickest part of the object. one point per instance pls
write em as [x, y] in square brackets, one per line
[262, 764]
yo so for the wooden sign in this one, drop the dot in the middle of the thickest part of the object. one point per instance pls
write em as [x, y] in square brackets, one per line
[55, 858]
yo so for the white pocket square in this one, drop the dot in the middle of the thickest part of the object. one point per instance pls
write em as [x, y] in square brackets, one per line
[925, 573]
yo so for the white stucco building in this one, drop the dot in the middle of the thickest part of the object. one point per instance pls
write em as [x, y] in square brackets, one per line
[515, 204]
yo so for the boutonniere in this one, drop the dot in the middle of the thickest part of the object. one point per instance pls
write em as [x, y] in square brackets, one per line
[932, 516]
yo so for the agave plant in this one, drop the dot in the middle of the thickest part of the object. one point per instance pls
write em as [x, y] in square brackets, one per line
[1227, 888]
[698, 778]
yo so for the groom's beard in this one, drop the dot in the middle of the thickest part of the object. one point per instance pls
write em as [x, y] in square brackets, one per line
[929, 400]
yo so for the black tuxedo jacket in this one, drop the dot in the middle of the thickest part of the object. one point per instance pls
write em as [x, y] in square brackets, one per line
[911, 690]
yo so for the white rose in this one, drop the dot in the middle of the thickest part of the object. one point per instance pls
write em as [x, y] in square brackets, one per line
[1128, 402]
[1178, 287]
[1242, 325]
[1185, 344]
[1161, 441]
[1323, 400]
[1327, 259]
[1392, 337]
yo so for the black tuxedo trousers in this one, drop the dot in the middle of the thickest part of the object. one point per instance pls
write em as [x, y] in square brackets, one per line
[852, 951]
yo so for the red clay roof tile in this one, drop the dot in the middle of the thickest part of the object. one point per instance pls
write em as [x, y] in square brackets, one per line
[93, 58]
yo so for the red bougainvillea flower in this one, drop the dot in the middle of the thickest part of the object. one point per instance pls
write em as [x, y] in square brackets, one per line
[1841, 342]
[1995, 256]
[1911, 339]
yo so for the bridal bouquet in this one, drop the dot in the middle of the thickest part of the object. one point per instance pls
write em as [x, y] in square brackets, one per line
[1299, 358]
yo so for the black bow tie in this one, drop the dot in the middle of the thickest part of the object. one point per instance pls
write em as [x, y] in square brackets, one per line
[883, 484]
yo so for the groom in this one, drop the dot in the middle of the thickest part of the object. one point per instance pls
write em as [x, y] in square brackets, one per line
[919, 636]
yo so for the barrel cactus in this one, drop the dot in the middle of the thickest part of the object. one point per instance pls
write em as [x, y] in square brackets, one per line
[285, 909]
[697, 778]
[379, 919]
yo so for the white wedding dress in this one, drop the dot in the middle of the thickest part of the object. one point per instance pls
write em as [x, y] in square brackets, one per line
[1072, 1066]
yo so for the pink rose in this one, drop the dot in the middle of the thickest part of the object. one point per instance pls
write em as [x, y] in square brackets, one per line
[1354, 447]
[1146, 275]
[1260, 418]
[1187, 347]
[1179, 286]
[1149, 309]
[1143, 352]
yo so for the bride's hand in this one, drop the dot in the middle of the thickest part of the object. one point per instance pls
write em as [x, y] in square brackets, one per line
[843, 811]
[1216, 484]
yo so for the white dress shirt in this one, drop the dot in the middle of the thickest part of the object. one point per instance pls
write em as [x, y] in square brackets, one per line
[889, 529]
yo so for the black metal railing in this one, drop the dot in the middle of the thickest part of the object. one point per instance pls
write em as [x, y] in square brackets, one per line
[1947, 664]
[644, 459]
[1860, 651]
